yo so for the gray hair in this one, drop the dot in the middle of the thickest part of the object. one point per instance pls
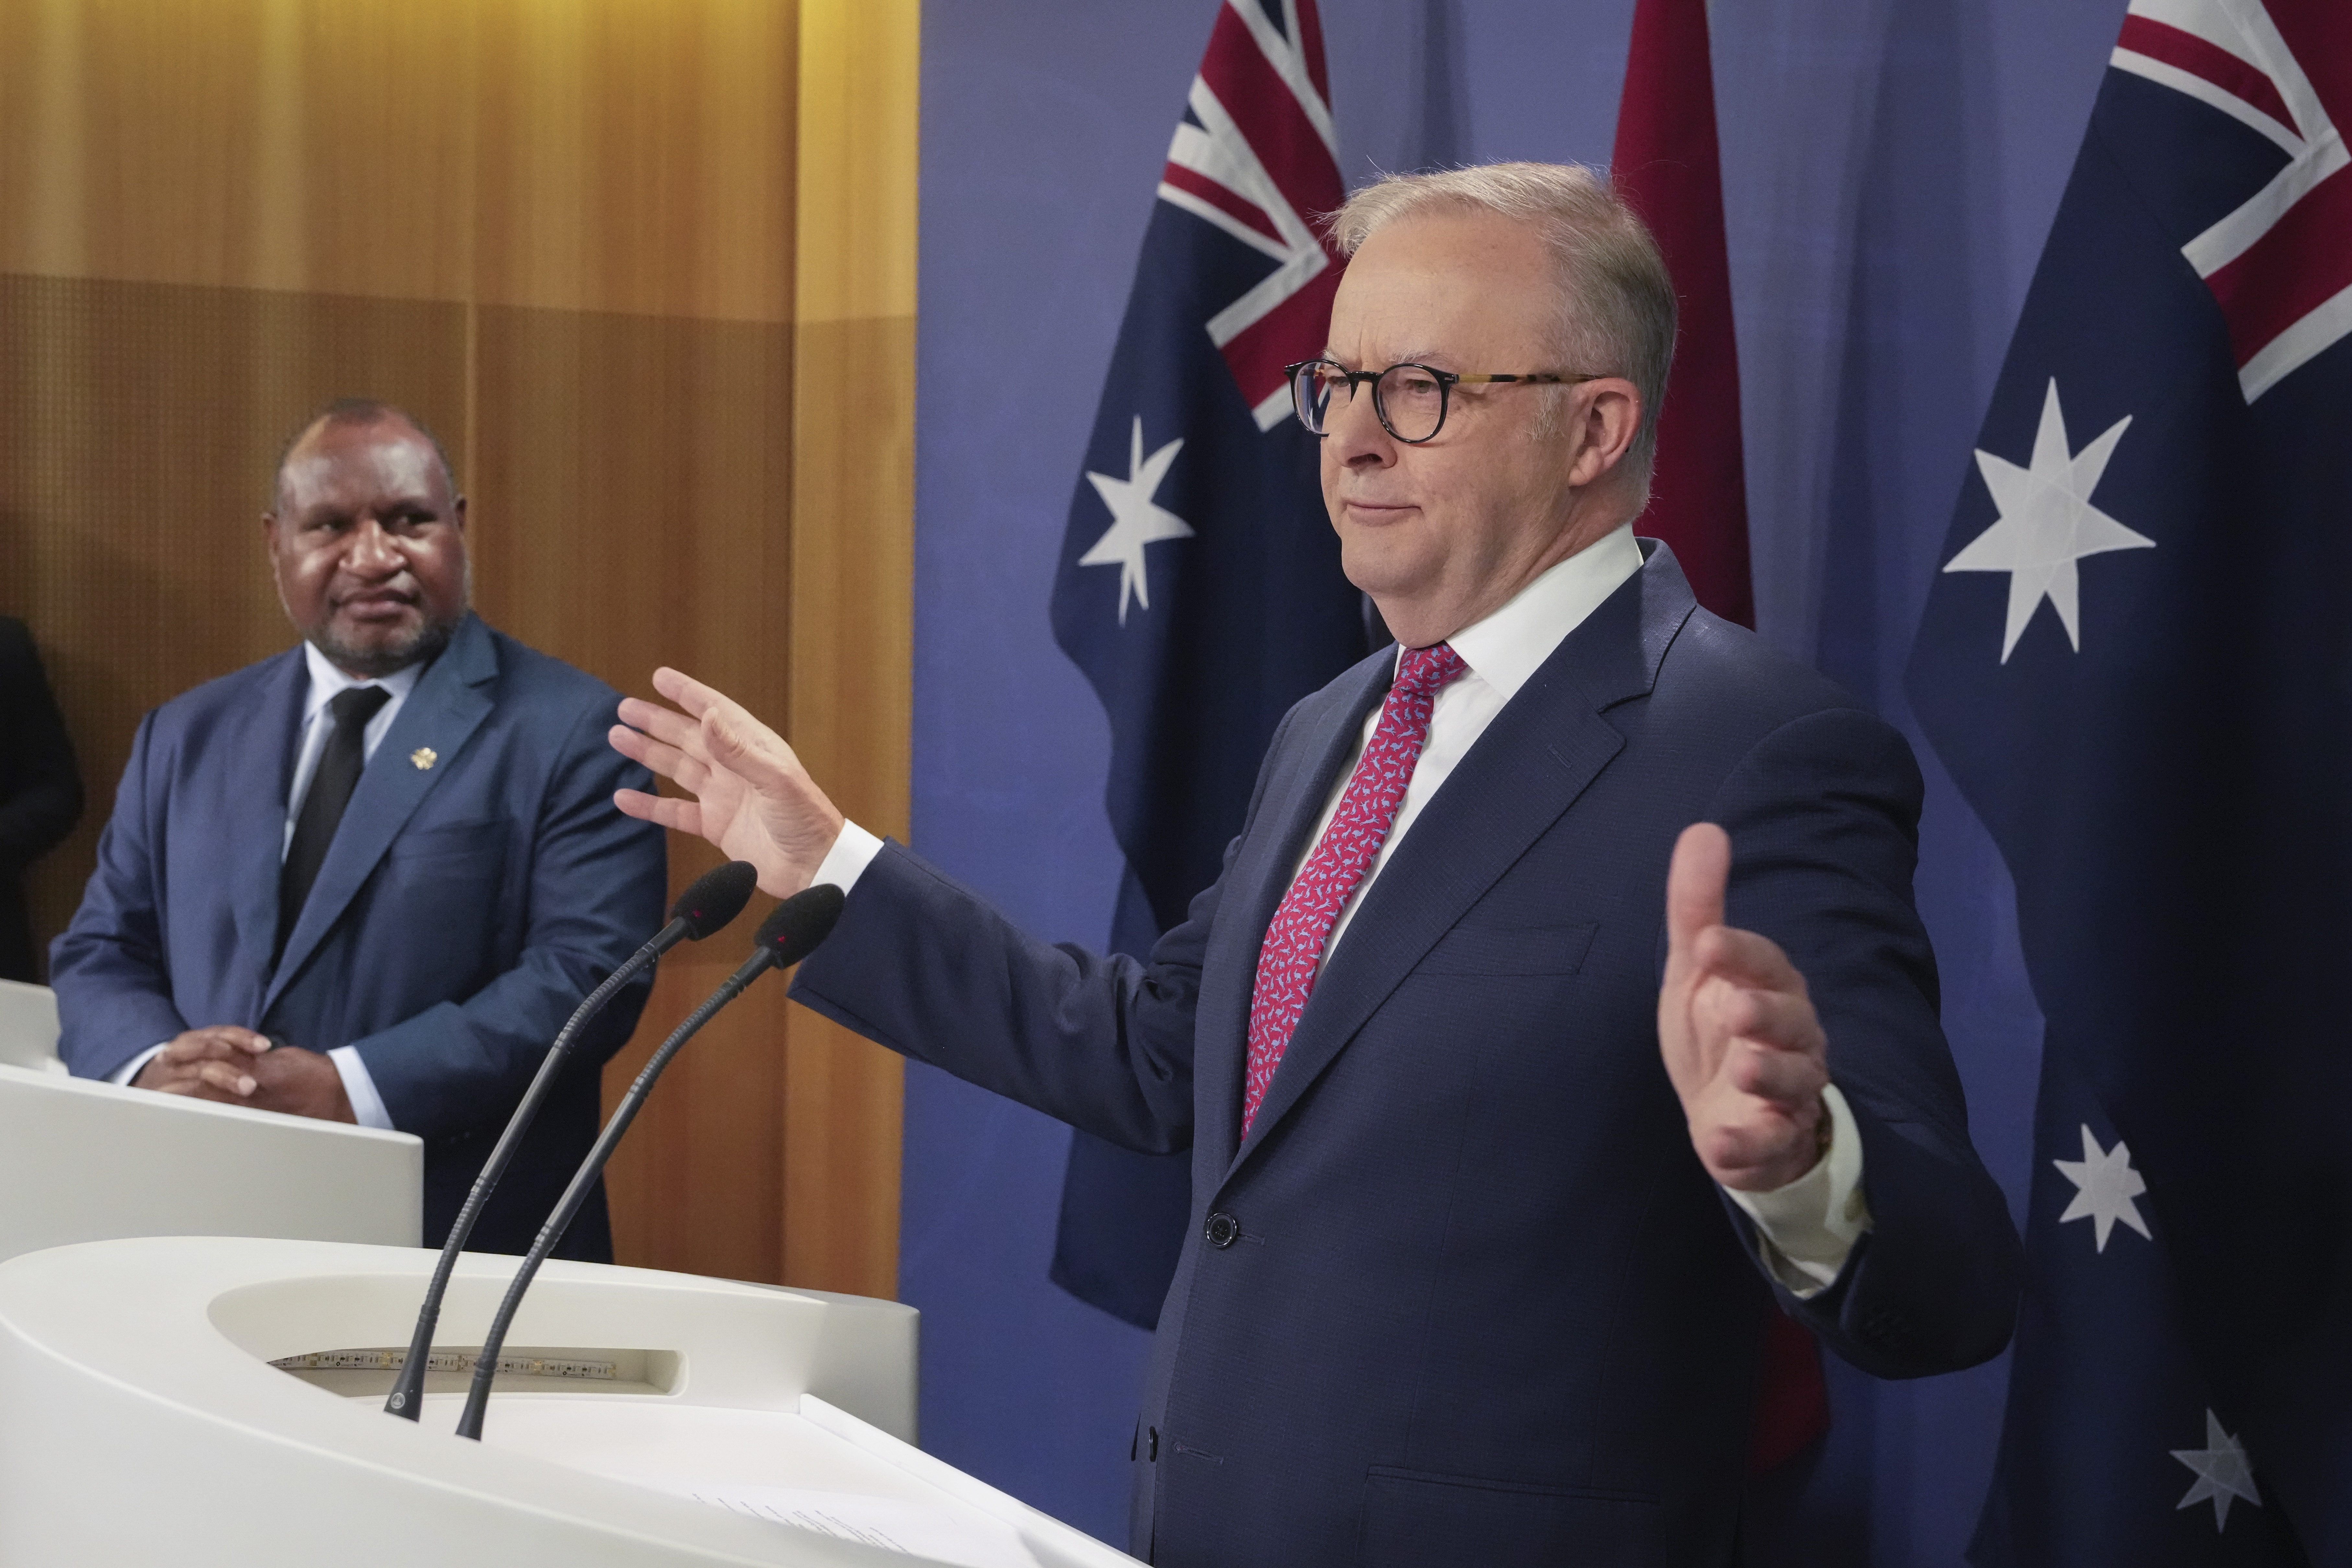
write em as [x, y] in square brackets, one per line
[1617, 301]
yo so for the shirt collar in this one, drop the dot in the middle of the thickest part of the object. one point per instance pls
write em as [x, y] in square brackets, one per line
[1509, 645]
[326, 680]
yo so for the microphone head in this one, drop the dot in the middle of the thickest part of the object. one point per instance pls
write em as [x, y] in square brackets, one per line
[798, 923]
[716, 898]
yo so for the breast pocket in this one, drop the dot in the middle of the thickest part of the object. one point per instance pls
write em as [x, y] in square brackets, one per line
[1502, 951]
[463, 851]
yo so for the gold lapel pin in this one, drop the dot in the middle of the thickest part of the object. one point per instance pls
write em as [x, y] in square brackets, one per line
[425, 757]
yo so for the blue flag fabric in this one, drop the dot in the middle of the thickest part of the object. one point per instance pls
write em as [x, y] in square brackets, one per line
[2138, 665]
[1200, 587]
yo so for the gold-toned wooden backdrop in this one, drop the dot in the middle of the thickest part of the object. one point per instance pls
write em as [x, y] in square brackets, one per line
[648, 265]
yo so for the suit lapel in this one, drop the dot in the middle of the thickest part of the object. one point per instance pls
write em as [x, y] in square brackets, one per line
[264, 730]
[448, 705]
[1540, 753]
[1299, 788]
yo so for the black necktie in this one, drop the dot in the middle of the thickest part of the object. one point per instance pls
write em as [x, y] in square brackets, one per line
[338, 775]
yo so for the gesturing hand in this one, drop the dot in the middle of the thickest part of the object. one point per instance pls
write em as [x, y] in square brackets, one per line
[1741, 1043]
[752, 796]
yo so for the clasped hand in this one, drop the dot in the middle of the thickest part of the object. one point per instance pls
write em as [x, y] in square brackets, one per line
[238, 1066]
[1738, 1030]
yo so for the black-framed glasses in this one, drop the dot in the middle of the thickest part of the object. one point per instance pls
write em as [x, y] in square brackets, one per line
[1409, 400]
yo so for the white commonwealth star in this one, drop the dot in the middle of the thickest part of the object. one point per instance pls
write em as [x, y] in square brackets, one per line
[2223, 1472]
[2104, 1185]
[2047, 523]
[1135, 520]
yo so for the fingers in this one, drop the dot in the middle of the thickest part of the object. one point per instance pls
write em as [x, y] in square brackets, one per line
[1694, 884]
[1781, 1019]
[664, 724]
[1755, 1151]
[686, 692]
[221, 1042]
[682, 815]
[1789, 1079]
[748, 747]
[686, 769]
[227, 1079]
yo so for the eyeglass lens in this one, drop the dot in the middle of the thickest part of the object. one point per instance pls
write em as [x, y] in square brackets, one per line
[1409, 401]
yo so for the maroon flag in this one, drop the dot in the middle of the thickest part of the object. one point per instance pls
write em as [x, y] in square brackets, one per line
[1665, 165]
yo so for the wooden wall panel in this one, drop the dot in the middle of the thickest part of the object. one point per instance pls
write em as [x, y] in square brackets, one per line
[853, 581]
[631, 155]
[564, 231]
[138, 427]
[634, 509]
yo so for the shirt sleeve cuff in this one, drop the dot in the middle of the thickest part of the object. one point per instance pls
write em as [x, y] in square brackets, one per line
[131, 1068]
[1807, 1228]
[359, 1087]
[847, 861]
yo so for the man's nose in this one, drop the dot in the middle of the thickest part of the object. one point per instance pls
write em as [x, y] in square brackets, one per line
[373, 552]
[1354, 430]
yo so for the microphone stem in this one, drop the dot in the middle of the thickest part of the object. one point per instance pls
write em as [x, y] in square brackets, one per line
[583, 1181]
[408, 1397]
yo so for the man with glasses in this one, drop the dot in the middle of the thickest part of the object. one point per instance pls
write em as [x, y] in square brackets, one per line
[1561, 1007]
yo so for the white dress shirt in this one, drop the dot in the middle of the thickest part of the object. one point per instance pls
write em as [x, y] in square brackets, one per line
[326, 683]
[1809, 1226]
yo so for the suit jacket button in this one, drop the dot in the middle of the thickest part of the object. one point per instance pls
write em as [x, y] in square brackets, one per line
[1222, 1229]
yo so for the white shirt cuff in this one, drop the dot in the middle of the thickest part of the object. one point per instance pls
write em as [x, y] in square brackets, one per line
[847, 861]
[1807, 1230]
[130, 1069]
[367, 1105]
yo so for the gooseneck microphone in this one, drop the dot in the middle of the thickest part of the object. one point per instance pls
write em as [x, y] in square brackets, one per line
[716, 898]
[787, 936]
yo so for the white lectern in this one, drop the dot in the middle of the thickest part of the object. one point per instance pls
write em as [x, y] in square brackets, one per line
[219, 1402]
[84, 1162]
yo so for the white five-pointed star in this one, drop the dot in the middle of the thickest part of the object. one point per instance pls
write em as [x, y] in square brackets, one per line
[1135, 520]
[2223, 1472]
[2104, 1185]
[2047, 523]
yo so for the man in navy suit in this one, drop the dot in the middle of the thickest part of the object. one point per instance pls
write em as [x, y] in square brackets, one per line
[367, 879]
[1562, 1004]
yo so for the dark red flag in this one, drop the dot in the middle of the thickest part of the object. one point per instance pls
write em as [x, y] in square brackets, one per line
[1666, 166]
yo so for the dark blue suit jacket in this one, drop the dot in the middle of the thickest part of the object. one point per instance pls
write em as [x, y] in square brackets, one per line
[462, 911]
[1478, 1301]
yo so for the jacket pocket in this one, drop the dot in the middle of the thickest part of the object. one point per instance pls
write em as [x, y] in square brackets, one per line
[1509, 950]
[1413, 1519]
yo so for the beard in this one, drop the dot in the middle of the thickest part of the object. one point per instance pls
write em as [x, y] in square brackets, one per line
[418, 645]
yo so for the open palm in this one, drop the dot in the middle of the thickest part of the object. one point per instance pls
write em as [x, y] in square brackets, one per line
[752, 798]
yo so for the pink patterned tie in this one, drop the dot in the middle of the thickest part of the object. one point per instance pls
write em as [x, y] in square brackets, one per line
[1287, 964]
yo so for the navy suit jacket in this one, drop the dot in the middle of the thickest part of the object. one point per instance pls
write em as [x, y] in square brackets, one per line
[462, 911]
[1465, 1294]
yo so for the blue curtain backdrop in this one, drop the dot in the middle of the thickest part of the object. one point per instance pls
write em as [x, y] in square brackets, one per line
[1890, 170]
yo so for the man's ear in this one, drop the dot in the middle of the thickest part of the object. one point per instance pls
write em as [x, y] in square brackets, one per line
[458, 513]
[1609, 415]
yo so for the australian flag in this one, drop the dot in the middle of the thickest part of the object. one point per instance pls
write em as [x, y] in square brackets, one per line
[2137, 664]
[1200, 587]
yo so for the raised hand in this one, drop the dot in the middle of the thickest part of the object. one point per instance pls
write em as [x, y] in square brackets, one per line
[752, 796]
[1741, 1043]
